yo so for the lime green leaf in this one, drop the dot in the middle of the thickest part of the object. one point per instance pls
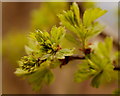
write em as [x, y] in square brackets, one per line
[98, 66]
[71, 19]
[96, 80]
[49, 77]
[38, 78]
[84, 72]
[20, 72]
[83, 29]
[104, 49]
[109, 44]
[70, 38]
[92, 14]
[57, 34]
[55, 63]
[94, 30]
[28, 50]
[46, 56]
[75, 8]
[64, 52]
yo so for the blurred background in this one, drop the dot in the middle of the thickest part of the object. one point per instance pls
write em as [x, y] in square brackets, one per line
[20, 18]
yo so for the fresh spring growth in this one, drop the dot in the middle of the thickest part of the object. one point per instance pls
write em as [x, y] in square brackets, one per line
[39, 61]
[44, 51]
[99, 66]
[83, 28]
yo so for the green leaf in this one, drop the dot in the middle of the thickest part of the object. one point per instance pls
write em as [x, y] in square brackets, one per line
[104, 49]
[46, 56]
[109, 44]
[103, 76]
[57, 34]
[83, 29]
[28, 50]
[55, 63]
[92, 14]
[99, 66]
[38, 78]
[84, 72]
[70, 38]
[21, 72]
[94, 30]
[97, 80]
[64, 52]
[71, 19]
[48, 43]
[49, 77]
[76, 10]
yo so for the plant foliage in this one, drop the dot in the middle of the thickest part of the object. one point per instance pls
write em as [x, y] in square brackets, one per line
[83, 28]
[43, 56]
[98, 66]
[44, 51]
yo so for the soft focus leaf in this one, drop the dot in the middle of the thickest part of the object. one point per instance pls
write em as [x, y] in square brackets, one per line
[83, 29]
[64, 52]
[38, 78]
[90, 15]
[96, 80]
[28, 50]
[84, 72]
[99, 66]
[76, 10]
[57, 34]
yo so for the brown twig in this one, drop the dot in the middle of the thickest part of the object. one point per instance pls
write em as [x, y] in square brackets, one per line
[70, 58]
[77, 57]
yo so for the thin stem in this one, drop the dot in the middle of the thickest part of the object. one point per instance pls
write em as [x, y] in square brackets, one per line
[78, 57]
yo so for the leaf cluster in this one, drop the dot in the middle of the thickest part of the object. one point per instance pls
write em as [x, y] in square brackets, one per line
[44, 51]
[98, 66]
[43, 54]
[84, 27]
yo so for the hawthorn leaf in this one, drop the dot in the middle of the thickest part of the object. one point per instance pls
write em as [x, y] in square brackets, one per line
[76, 11]
[84, 72]
[83, 29]
[38, 78]
[96, 80]
[46, 56]
[92, 14]
[94, 30]
[21, 72]
[28, 50]
[64, 52]
[57, 34]
[49, 77]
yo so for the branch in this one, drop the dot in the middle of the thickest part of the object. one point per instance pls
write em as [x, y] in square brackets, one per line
[70, 58]
[117, 68]
[78, 57]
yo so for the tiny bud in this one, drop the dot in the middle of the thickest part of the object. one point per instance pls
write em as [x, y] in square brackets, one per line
[87, 51]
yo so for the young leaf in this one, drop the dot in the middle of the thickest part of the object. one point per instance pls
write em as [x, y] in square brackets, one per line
[100, 63]
[64, 52]
[28, 50]
[104, 49]
[40, 77]
[84, 72]
[96, 80]
[75, 9]
[21, 72]
[57, 34]
[94, 30]
[49, 77]
[92, 14]
[85, 28]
